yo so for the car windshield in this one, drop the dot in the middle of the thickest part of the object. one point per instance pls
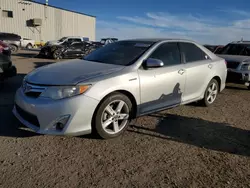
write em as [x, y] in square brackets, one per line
[236, 49]
[62, 39]
[119, 53]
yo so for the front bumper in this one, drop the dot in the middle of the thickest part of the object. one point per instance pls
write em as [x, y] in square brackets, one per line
[235, 76]
[46, 111]
[45, 52]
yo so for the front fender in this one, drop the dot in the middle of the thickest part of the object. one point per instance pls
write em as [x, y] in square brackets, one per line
[128, 82]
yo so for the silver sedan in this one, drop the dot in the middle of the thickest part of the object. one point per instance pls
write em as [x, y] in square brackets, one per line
[117, 83]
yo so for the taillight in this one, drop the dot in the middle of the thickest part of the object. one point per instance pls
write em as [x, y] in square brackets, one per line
[225, 62]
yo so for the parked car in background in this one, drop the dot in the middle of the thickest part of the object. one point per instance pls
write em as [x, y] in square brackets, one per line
[237, 55]
[66, 50]
[13, 40]
[67, 39]
[214, 48]
[27, 43]
[105, 41]
[6, 68]
[117, 83]
[218, 49]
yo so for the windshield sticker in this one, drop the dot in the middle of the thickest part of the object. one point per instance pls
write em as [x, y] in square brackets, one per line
[142, 45]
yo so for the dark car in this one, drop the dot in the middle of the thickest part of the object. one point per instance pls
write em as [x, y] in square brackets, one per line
[67, 50]
[6, 67]
[237, 55]
[214, 48]
[13, 40]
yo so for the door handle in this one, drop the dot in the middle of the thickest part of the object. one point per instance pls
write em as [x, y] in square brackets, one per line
[210, 66]
[181, 71]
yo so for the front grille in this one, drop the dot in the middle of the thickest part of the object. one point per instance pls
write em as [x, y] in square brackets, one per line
[32, 119]
[31, 90]
[232, 64]
[33, 94]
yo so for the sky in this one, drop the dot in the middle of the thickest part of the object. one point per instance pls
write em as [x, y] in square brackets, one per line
[205, 21]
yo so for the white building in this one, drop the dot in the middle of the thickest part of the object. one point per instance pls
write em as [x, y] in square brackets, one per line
[42, 22]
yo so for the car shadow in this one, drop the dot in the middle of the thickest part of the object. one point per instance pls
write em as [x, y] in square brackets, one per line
[25, 55]
[237, 88]
[41, 64]
[166, 99]
[9, 125]
[197, 132]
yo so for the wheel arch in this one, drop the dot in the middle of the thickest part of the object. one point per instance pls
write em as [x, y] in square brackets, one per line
[13, 44]
[124, 92]
[218, 79]
[29, 44]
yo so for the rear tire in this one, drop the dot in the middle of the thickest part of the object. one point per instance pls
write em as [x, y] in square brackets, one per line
[211, 93]
[112, 116]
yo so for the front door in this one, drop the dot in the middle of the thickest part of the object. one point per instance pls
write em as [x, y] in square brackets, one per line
[75, 50]
[162, 87]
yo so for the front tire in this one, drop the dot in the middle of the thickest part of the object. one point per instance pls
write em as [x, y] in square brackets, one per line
[211, 93]
[113, 116]
[57, 54]
[13, 48]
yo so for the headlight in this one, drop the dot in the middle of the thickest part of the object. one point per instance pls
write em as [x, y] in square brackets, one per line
[60, 92]
[245, 67]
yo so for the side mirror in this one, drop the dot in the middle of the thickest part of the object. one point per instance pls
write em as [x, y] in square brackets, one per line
[153, 63]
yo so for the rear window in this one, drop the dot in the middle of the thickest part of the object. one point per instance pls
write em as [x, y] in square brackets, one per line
[119, 53]
[192, 53]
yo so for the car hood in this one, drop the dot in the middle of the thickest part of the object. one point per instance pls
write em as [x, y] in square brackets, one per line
[70, 72]
[234, 58]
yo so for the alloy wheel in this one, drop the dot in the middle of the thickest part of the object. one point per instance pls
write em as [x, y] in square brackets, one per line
[115, 117]
[212, 93]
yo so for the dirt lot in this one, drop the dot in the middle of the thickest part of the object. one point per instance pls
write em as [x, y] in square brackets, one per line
[189, 146]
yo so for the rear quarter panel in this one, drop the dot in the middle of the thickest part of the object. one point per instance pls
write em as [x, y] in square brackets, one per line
[219, 69]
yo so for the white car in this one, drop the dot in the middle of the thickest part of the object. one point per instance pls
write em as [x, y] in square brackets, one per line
[67, 39]
[117, 83]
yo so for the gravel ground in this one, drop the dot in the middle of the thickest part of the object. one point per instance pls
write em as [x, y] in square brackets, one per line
[189, 146]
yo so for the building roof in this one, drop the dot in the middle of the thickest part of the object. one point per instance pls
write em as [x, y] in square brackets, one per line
[59, 8]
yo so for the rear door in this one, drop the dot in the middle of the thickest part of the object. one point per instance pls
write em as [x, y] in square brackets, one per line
[198, 67]
[70, 51]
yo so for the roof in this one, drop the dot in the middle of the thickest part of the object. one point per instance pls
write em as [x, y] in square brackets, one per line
[159, 39]
[60, 8]
[240, 42]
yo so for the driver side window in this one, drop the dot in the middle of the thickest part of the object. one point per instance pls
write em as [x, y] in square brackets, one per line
[168, 53]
